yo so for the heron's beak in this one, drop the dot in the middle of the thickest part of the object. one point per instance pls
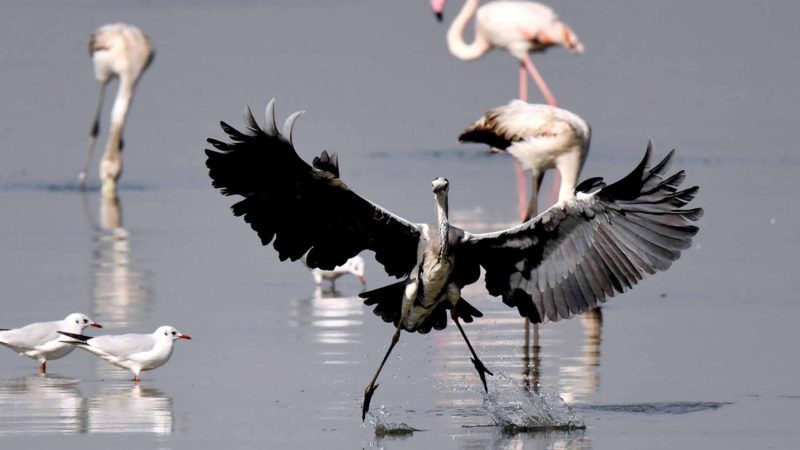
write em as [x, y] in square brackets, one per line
[184, 336]
[96, 325]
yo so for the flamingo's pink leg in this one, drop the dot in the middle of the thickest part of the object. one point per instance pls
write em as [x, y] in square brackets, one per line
[548, 96]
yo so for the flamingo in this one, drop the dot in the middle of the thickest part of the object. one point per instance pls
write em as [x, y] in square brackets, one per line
[601, 240]
[123, 51]
[519, 27]
[540, 137]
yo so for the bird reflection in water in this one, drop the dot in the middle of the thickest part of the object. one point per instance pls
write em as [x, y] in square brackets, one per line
[122, 408]
[121, 294]
[37, 404]
[575, 381]
[44, 404]
[336, 320]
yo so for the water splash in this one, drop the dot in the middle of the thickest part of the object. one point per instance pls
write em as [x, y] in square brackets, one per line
[516, 409]
[384, 428]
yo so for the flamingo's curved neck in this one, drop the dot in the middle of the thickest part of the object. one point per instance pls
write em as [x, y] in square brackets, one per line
[119, 112]
[455, 35]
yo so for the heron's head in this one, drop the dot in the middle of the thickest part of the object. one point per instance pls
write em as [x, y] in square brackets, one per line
[438, 8]
[440, 185]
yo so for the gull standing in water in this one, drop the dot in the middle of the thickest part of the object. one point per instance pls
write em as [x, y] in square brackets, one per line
[135, 352]
[600, 241]
[40, 340]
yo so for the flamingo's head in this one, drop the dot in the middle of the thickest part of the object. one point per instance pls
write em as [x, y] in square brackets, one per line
[561, 33]
[438, 8]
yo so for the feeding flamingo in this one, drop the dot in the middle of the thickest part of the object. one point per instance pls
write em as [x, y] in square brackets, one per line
[540, 137]
[121, 51]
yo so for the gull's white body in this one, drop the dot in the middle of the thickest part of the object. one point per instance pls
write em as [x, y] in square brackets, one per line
[135, 352]
[40, 340]
[353, 266]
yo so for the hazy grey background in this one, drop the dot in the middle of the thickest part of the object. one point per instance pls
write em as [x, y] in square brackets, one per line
[714, 79]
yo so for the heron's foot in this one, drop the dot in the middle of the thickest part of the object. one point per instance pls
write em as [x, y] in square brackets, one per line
[367, 398]
[482, 371]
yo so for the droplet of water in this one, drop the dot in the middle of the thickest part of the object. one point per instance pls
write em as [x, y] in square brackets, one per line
[515, 408]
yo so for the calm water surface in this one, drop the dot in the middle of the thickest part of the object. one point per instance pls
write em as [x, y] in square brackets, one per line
[702, 356]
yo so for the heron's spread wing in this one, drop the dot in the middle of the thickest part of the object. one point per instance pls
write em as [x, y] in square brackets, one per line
[303, 207]
[577, 254]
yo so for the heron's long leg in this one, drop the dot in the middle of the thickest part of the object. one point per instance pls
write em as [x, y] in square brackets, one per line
[93, 135]
[372, 386]
[548, 96]
[482, 370]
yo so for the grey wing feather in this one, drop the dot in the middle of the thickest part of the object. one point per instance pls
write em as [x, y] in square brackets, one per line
[575, 255]
[123, 345]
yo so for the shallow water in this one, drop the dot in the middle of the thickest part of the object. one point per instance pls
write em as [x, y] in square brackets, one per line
[701, 356]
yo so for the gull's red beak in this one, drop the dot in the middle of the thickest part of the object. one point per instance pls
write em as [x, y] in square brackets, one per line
[184, 336]
[96, 325]
[363, 280]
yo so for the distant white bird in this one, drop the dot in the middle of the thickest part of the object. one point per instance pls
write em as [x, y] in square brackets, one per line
[540, 137]
[135, 352]
[354, 266]
[40, 340]
[519, 27]
[121, 51]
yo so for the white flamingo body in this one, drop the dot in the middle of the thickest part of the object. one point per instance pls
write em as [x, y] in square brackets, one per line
[40, 340]
[515, 26]
[135, 352]
[540, 137]
[121, 51]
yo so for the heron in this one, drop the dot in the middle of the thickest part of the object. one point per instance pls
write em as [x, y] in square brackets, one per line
[600, 241]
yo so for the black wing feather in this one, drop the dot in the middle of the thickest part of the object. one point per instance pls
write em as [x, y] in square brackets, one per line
[301, 208]
[577, 255]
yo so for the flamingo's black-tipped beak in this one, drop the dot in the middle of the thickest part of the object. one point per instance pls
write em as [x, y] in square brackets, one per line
[96, 325]
[439, 16]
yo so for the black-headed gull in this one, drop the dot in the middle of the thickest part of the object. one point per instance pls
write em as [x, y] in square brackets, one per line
[40, 340]
[135, 352]
[354, 266]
